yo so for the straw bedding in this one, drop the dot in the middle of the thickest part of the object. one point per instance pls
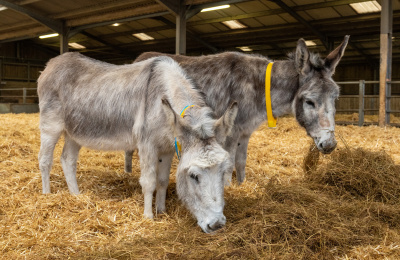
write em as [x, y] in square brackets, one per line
[294, 204]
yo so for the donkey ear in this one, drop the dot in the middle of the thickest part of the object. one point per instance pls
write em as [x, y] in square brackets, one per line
[302, 58]
[332, 60]
[172, 117]
[224, 125]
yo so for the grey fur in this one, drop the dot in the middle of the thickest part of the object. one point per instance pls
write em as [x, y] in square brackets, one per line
[136, 106]
[298, 83]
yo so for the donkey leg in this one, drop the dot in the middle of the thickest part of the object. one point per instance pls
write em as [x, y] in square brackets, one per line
[148, 177]
[48, 141]
[69, 158]
[230, 147]
[164, 168]
[241, 157]
[128, 161]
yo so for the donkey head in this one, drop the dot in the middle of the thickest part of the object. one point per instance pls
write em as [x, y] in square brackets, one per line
[314, 104]
[203, 162]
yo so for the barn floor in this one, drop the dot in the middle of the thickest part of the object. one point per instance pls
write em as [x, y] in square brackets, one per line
[274, 214]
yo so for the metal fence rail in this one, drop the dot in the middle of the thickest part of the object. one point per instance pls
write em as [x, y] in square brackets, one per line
[361, 100]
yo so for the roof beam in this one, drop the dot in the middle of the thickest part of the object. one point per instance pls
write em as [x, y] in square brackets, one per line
[78, 29]
[277, 11]
[190, 34]
[289, 10]
[172, 5]
[55, 25]
[116, 48]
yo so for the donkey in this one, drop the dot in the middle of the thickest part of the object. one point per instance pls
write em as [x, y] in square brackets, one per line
[135, 106]
[301, 85]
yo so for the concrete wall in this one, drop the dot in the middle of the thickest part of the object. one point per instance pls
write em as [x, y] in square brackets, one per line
[18, 108]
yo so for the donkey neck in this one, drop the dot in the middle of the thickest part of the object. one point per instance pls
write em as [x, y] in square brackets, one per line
[284, 86]
[183, 95]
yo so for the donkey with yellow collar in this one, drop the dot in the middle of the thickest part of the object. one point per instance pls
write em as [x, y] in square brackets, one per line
[301, 85]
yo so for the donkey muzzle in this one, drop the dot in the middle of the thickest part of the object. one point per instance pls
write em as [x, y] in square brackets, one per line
[326, 143]
[213, 224]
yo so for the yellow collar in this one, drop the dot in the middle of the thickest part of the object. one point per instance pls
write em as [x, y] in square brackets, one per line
[270, 117]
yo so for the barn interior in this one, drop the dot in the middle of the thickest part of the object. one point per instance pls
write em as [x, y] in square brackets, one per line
[33, 31]
[340, 206]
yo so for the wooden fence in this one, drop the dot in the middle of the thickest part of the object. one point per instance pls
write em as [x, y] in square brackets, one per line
[367, 104]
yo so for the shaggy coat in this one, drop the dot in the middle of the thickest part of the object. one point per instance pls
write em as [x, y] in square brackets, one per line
[301, 85]
[136, 106]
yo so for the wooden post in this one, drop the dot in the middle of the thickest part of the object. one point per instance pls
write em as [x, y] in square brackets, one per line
[1, 69]
[24, 96]
[385, 70]
[361, 93]
[180, 45]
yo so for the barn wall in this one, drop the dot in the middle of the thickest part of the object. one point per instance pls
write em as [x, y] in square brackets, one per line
[358, 72]
[21, 63]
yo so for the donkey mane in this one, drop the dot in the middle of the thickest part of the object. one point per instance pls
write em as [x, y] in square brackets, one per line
[315, 59]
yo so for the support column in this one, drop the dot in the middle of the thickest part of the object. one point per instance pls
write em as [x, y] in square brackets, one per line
[64, 40]
[385, 70]
[180, 45]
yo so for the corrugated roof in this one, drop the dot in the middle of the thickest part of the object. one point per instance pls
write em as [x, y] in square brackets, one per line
[272, 29]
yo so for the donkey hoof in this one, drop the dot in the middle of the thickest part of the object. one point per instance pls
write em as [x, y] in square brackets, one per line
[148, 215]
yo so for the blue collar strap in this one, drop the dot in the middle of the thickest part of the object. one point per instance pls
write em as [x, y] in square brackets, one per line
[178, 148]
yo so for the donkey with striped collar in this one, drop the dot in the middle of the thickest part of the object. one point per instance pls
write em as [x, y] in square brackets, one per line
[135, 106]
[301, 85]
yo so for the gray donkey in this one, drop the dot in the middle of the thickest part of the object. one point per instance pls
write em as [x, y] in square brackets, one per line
[301, 85]
[136, 106]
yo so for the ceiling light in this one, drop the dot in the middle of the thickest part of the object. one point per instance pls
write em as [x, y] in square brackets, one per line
[143, 36]
[310, 43]
[245, 48]
[116, 24]
[2, 8]
[215, 8]
[48, 35]
[234, 24]
[366, 7]
[76, 45]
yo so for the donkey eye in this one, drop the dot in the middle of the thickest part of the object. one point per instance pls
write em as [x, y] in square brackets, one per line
[194, 177]
[310, 103]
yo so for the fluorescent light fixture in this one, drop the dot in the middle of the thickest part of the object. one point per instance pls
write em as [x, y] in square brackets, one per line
[366, 7]
[310, 43]
[76, 45]
[245, 48]
[215, 8]
[143, 36]
[3, 8]
[234, 24]
[48, 35]
[116, 24]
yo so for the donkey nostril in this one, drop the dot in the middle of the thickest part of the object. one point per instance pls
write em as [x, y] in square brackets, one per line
[215, 226]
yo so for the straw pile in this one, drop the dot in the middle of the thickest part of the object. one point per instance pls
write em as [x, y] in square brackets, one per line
[344, 206]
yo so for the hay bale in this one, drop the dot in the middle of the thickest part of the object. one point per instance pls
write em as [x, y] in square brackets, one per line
[361, 174]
